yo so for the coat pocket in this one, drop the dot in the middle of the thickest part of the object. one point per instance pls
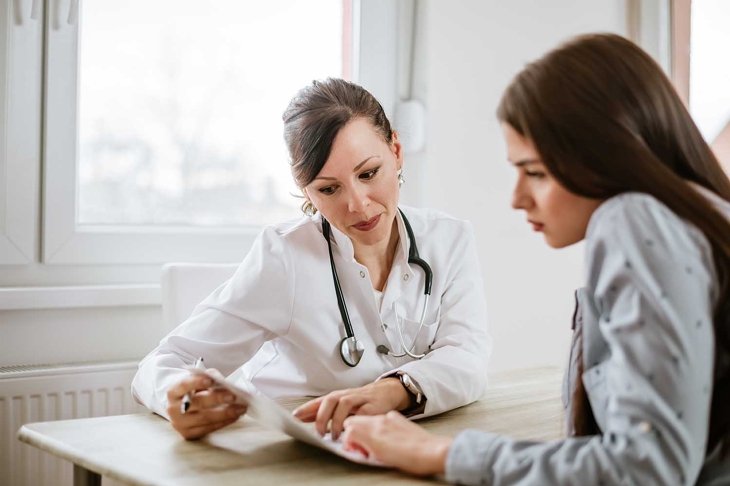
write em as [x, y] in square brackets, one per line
[416, 338]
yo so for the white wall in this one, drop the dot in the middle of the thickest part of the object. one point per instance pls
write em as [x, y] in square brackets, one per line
[474, 48]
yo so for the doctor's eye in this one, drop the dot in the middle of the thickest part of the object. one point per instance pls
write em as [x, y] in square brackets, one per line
[327, 190]
[369, 174]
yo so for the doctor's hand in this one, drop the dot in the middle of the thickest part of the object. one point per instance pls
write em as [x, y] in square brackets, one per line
[210, 408]
[396, 441]
[372, 399]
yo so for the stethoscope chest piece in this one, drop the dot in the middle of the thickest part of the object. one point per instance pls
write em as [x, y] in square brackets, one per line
[351, 351]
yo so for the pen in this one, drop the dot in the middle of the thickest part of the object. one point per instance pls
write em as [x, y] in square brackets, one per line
[185, 404]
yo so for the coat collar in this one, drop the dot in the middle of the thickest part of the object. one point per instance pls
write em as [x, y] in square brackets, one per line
[347, 251]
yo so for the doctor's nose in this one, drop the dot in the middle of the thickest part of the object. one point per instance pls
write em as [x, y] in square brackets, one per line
[358, 201]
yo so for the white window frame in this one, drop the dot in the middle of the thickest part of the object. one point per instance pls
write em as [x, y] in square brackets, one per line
[64, 242]
[681, 16]
[21, 49]
[662, 28]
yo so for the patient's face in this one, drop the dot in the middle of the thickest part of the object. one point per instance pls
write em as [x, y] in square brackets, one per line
[561, 216]
[357, 189]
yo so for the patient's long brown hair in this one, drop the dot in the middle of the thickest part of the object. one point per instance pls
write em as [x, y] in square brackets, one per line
[606, 120]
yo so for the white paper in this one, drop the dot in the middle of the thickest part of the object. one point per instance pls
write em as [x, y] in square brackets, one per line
[272, 415]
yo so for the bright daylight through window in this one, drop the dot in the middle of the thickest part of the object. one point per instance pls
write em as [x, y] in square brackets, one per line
[709, 96]
[180, 107]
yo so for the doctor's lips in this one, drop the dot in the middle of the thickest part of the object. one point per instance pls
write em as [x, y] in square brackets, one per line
[367, 225]
[535, 225]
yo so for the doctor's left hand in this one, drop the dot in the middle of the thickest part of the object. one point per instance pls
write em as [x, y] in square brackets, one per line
[372, 399]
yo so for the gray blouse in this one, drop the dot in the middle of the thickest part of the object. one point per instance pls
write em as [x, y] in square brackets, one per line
[648, 353]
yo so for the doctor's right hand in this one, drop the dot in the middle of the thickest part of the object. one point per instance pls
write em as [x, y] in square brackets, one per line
[210, 408]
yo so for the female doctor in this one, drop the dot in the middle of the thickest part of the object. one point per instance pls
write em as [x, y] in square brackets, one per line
[366, 305]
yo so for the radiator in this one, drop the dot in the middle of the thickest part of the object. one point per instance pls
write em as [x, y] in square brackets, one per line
[42, 393]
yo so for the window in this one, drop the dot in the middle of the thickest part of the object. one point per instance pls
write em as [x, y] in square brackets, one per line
[689, 39]
[709, 74]
[163, 137]
[699, 41]
[180, 124]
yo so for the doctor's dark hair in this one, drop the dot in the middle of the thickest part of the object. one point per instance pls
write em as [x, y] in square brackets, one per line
[606, 120]
[314, 117]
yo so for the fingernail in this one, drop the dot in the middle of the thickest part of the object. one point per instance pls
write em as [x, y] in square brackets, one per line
[229, 398]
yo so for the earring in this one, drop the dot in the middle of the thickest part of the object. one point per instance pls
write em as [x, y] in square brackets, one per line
[401, 180]
[308, 208]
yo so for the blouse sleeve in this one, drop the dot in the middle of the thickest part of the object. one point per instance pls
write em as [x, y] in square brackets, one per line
[652, 278]
[229, 326]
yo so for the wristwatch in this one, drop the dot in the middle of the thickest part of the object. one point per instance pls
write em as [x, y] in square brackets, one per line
[418, 400]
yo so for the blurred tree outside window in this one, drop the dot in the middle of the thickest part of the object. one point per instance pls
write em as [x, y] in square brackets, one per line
[180, 107]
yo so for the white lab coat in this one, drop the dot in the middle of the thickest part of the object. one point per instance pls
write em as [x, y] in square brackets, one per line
[277, 318]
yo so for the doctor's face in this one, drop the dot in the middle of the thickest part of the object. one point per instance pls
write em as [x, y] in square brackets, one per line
[357, 189]
[551, 209]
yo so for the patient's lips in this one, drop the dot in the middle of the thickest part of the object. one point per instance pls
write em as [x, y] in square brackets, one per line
[535, 225]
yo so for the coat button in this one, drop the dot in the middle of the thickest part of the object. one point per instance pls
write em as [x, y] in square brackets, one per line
[362, 274]
[406, 277]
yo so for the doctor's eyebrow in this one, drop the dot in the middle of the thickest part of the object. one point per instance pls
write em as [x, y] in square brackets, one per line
[357, 167]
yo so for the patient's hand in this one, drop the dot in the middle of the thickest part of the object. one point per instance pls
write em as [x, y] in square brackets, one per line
[372, 399]
[396, 441]
[210, 408]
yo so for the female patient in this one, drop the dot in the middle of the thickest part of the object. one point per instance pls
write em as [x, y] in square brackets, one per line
[605, 151]
[380, 343]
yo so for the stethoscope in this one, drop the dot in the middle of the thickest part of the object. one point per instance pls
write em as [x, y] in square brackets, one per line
[351, 350]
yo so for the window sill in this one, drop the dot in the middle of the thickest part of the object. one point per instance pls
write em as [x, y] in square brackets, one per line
[75, 297]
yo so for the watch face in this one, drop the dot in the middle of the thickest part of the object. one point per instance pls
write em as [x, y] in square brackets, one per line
[410, 386]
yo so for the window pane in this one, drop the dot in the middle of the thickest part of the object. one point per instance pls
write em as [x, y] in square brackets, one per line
[181, 102]
[710, 74]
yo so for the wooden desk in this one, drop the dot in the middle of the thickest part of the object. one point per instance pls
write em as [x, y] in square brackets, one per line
[144, 449]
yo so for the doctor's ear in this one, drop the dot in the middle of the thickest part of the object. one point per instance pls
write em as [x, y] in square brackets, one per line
[396, 148]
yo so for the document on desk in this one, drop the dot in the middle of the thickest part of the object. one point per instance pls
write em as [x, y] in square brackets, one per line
[272, 415]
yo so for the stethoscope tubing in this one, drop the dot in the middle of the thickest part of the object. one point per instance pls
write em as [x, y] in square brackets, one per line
[338, 288]
[408, 350]
[413, 258]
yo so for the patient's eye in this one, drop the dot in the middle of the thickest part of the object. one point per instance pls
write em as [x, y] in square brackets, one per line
[536, 174]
